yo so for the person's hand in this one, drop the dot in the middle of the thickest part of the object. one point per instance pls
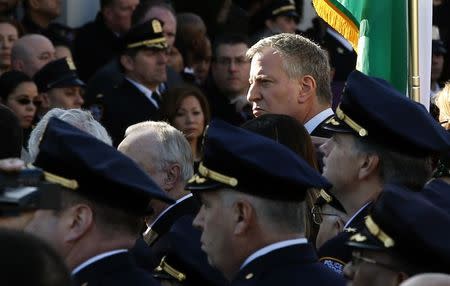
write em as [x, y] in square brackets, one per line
[11, 164]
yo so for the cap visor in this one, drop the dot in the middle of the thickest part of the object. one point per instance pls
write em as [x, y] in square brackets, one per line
[68, 82]
[336, 125]
[199, 183]
[291, 14]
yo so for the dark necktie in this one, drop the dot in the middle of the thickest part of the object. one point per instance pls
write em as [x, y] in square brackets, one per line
[155, 96]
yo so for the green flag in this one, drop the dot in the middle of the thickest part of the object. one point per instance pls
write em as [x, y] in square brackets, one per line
[377, 30]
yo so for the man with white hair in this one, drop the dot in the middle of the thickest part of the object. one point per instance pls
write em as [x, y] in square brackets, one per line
[164, 153]
[79, 118]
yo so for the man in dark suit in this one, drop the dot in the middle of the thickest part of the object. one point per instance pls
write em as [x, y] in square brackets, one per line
[97, 42]
[227, 85]
[252, 192]
[174, 242]
[138, 97]
[103, 203]
[373, 146]
[39, 18]
[110, 75]
[290, 74]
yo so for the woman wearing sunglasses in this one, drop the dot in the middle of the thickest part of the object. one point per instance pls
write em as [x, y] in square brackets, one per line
[19, 93]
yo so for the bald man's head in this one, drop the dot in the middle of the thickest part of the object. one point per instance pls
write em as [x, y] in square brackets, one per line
[31, 52]
[428, 279]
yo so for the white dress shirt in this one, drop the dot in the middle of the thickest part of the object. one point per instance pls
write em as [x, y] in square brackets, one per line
[147, 92]
[316, 120]
[96, 258]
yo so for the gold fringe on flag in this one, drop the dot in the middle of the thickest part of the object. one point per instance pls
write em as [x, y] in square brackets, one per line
[338, 20]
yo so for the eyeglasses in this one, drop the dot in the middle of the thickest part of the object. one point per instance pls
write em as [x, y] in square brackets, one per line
[317, 215]
[228, 61]
[357, 259]
[26, 101]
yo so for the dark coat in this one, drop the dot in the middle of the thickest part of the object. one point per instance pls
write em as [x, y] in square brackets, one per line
[110, 75]
[335, 253]
[117, 269]
[94, 46]
[222, 108]
[57, 33]
[179, 242]
[125, 106]
[292, 265]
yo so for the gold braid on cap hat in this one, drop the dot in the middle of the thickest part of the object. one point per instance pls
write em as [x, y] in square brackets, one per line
[283, 9]
[52, 178]
[67, 183]
[325, 196]
[224, 179]
[159, 43]
[165, 267]
[376, 231]
[353, 125]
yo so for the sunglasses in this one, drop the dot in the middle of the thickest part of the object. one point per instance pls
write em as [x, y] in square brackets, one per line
[26, 101]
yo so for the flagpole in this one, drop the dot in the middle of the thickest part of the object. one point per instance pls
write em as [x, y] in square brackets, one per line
[414, 83]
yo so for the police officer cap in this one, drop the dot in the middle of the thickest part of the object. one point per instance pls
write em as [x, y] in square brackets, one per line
[238, 159]
[57, 73]
[438, 192]
[146, 35]
[408, 226]
[372, 109]
[282, 8]
[27, 190]
[96, 170]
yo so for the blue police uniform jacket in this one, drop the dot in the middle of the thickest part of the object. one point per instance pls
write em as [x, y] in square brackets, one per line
[335, 253]
[291, 265]
[117, 269]
[179, 243]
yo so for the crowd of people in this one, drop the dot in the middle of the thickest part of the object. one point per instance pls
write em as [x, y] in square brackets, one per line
[214, 143]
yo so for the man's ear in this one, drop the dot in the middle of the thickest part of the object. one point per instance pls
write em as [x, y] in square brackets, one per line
[45, 100]
[173, 174]
[243, 215]
[269, 24]
[339, 224]
[369, 163]
[78, 219]
[17, 64]
[307, 89]
[127, 62]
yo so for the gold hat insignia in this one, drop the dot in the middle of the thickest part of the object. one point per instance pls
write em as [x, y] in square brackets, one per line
[70, 64]
[156, 25]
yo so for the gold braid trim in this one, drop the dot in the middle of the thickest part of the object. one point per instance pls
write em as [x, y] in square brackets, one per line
[164, 267]
[217, 176]
[355, 126]
[376, 231]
